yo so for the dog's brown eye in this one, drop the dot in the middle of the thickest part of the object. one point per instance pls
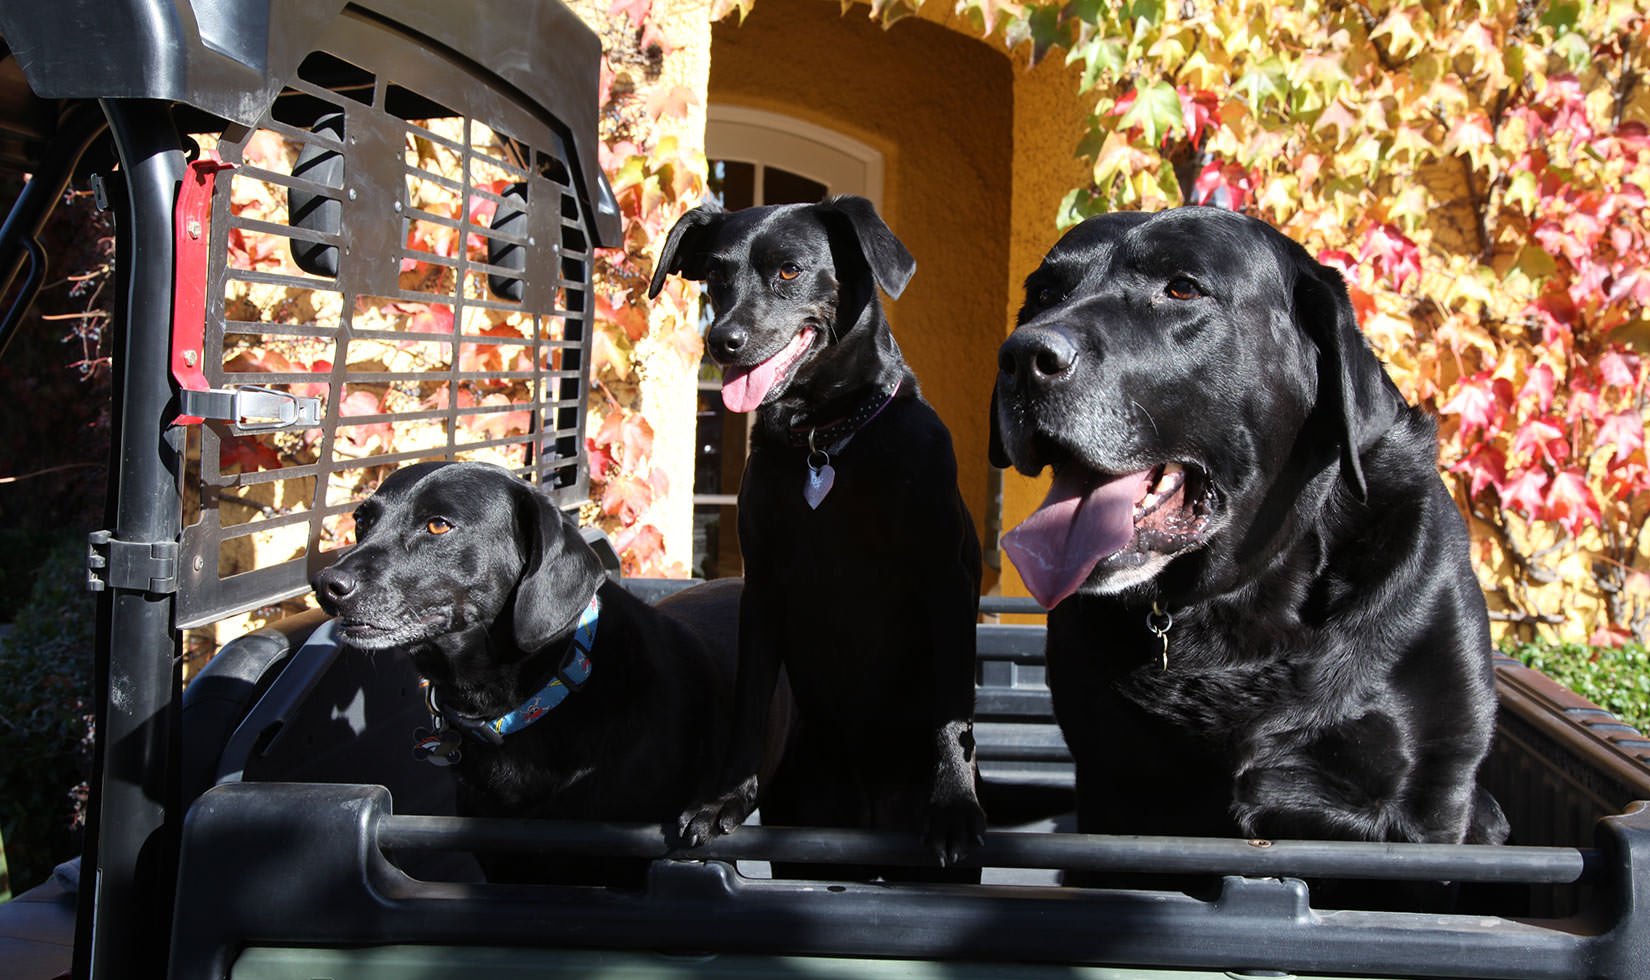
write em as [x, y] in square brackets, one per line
[789, 271]
[438, 525]
[1182, 288]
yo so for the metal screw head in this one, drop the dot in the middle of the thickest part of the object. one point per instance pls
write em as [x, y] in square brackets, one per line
[189, 358]
[397, 207]
[194, 228]
[352, 193]
[200, 563]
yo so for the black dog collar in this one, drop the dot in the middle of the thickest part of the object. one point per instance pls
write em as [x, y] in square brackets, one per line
[836, 433]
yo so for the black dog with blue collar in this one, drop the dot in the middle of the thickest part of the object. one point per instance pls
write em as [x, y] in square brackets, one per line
[553, 691]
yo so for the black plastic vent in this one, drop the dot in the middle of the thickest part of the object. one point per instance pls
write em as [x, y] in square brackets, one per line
[405, 245]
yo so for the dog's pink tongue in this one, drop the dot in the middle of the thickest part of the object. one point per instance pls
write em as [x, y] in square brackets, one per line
[1079, 523]
[744, 387]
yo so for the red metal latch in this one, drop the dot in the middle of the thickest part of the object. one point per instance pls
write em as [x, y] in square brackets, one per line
[190, 221]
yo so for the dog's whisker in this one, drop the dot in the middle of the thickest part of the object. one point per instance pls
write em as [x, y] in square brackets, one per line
[1148, 415]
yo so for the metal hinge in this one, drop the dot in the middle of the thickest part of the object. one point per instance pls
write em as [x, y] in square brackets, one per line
[149, 566]
[252, 408]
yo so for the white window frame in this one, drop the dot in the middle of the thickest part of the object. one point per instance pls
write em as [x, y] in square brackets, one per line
[762, 138]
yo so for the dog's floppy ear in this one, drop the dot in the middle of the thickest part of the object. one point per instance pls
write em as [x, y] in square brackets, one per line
[891, 265]
[559, 575]
[995, 450]
[684, 246]
[1352, 385]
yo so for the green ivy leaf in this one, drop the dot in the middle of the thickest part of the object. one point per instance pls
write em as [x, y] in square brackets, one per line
[1265, 83]
[1575, 51]
[1101, 57]
[1046, 30]
[1156, 111]
[1561, 15]
[1147, 14]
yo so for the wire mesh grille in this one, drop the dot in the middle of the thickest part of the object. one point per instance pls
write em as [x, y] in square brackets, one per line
[414, 255]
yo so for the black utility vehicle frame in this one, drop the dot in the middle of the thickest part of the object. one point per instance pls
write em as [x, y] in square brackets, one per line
[416, 297]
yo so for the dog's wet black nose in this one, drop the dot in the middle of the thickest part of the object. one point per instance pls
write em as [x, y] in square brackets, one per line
[1037, 356]
[727, 341]
[335, 585]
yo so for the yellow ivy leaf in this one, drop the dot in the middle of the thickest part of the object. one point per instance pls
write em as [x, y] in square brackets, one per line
[1206, 69]
[1471, 134]
[1278, 197]
[1118, 155]
[1338, 117]
[989, 12]
[1402, 40]
[632, 172]
[1171, 50]
[1473, 289]
[1412, 207]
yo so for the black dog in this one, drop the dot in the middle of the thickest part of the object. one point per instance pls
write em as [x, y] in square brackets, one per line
[861, 562]
[557, 692]
[1264, 620]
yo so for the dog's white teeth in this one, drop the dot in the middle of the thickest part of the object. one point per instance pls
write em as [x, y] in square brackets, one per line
[1166, 481]
[1174, 475]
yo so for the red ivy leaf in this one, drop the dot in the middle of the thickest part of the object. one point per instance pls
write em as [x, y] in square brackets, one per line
[1623, 432]
[671, 102]
[360, 402]
[1223, 185]
[629, 317]
[641, 550]
[435, 318]
[1540, 383]
[626, 498]
[245, 454]
[1479, 401]
[1392, 254]
[1627, 477]
[1571, 503]
[630, 434]
[1485, 466]
[1200, 109]
[636, 10]
[1609, 636]
[1619, 369]
[602, 463]
[1541, 440]
[1523, 493]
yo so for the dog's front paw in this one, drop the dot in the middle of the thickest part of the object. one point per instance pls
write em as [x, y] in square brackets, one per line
[955, 827]
[701, 822]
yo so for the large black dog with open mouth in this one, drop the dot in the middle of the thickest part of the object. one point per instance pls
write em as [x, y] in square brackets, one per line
[554, 692]
[1264, 620]
[862, 567]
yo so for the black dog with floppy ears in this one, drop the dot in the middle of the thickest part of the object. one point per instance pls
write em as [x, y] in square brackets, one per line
[1264, 619]
[554, 692]
[862, 567]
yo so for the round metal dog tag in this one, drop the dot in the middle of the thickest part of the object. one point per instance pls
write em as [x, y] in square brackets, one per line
[437, 748]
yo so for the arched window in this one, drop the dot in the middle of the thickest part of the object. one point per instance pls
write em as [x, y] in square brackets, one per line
[758, 157]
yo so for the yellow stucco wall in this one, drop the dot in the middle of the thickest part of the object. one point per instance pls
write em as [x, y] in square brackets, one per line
[939, 105]
[979, 150]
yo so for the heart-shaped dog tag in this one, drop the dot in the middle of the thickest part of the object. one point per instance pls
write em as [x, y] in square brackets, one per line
[820, 479]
